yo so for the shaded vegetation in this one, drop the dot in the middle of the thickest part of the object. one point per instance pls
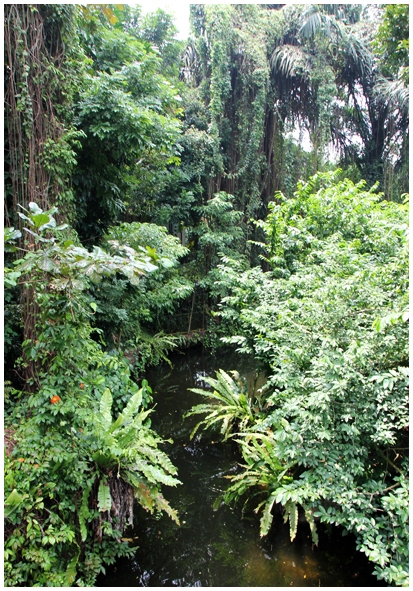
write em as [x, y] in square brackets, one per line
[158, 192]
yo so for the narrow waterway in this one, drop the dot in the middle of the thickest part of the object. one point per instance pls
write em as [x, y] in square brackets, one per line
[215, 545]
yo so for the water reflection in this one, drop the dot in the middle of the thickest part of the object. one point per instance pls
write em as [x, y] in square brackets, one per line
[215, 546]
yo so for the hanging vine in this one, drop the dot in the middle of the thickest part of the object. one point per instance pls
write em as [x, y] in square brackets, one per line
[39, 156]
[36, 90]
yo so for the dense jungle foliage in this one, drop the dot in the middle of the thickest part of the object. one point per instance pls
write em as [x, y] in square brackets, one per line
[245, 186]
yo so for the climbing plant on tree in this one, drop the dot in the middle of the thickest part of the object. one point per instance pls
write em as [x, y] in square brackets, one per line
[263, 73]
[232, 52]
[391, 44]
[40, 80]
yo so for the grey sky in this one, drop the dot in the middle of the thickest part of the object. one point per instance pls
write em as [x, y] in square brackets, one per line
[180, 10]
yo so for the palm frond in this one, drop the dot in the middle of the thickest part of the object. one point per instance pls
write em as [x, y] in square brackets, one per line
[289, 61]
[312, 22]
[360, 58]
[395, 93]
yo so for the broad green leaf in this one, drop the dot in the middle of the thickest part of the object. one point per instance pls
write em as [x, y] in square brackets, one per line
[11, 234]
[12, 501]
[166, 263]
[42, 220]
[45, 263]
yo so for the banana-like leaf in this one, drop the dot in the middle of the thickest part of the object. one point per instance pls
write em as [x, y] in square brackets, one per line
[70, 574]
[104, 497]
[84, 512]
[105, 409]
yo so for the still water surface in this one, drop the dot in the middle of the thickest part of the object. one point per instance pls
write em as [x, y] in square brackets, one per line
[215, 545]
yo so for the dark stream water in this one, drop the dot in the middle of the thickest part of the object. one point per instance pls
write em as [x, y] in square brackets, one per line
[217, 546]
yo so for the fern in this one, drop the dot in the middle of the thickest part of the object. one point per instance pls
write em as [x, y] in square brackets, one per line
[266, 519]
[313, 528]
[130, 447]
[154, 474]
[163, 505]
[233, 403]
[143, 492]
[158, 457]
[132, 407]
[127, 436]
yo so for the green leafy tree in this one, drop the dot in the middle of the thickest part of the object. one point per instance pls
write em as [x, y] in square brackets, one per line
[329, 321]
[392, 40]
[159, 29]
[135, 320]
[128, 112]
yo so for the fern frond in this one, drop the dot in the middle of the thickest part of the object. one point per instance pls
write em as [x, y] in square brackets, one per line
[132, 406]
[144, 494]
[211, 393]
[266, 519]
[291, 514]
[70, 574]
[154, 474]
[229, 386]
[163, 505]
[158, 457]
[311, 522]
[127, 436]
